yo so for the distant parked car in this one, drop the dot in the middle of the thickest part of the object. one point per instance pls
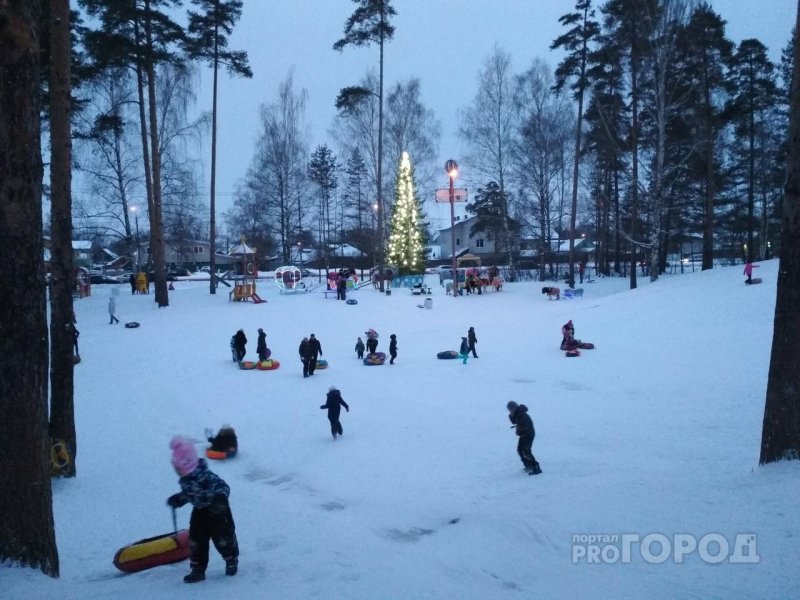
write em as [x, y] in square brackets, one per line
[97, 279]
[179, 272]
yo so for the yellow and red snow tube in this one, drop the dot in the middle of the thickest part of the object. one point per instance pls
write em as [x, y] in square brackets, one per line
[153, 552]
[268, 365]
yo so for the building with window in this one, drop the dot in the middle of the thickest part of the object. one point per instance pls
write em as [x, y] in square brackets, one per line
[478, 244]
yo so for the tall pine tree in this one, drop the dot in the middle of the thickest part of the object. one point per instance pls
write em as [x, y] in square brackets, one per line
[407, 235]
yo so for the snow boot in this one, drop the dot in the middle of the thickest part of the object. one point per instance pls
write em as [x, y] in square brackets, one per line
[231, 566]
[535, 470]
[194, 576]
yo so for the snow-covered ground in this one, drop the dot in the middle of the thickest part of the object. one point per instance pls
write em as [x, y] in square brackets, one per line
[655, 431]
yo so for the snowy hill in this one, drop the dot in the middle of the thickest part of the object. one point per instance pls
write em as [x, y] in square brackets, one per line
[655, 431]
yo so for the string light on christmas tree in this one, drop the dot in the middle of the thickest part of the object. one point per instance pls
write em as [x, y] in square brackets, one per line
[407, 237]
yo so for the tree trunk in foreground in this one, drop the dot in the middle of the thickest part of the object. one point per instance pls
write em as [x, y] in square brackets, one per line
[27, 537]
[780, 436]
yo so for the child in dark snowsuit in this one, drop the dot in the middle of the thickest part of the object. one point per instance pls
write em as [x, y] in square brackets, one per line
[240, 343]
[464, 350]
[224, 441]
[360, 349]
[261, 345]
[392, 348]
[211, 516]
[334, 403]
[472, 339]
[518, 415]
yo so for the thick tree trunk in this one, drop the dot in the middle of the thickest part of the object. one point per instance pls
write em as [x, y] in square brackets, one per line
[27, 536]
[780, 437]
[62, 327]
[158, 250]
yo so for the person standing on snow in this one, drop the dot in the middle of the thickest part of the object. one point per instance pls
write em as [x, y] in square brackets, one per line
[464, 350]
[132, 281]
[261, 345]
[334, 403]
[392, 348]
[472, 339]
[314, 352]
[304, 355]
[518, 415]
[240, 345]
[748, 271]
[211, 514]
[112, 310]
[359, 349]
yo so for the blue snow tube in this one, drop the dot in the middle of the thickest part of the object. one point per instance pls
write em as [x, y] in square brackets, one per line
[352, 301]
[377, 358]
[447, 355]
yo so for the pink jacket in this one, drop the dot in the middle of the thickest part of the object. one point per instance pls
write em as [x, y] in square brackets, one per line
[748, 269]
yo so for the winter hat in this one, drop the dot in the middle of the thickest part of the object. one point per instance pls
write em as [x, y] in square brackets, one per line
[512, 405]
[184, 456]
[260, 330]
[393, 336]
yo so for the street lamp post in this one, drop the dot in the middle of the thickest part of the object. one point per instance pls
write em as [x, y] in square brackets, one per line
[451, 167]
[135, 212]
[300, 249]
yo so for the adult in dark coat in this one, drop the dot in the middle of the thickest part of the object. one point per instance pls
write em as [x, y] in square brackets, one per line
[239, 344]
[518, 415]
[472, 339]
[314, 352]
[392, 348]
[261, 346]
[132, 281]
[334, 403]
[304, 356]
[372, 345]
[341, 287]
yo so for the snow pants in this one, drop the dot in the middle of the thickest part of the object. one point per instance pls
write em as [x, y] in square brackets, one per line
[214, 523]
[524, 449]
[336, 428]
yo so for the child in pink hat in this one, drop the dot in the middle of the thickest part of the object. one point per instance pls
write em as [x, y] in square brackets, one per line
[211, 516]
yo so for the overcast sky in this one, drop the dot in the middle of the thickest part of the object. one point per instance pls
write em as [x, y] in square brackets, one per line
[443, 42]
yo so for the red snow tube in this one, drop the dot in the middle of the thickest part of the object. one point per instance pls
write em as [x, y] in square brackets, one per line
[573, 353]
[153, 552]
[220, 454]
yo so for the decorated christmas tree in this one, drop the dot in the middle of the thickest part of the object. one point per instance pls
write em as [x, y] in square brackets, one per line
[407, 237]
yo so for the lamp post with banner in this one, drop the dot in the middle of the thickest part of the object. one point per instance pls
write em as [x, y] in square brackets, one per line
[452, 195]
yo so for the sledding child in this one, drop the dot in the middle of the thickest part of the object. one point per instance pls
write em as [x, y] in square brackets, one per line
[392, 348]
[568, 332]
[472, 339]
[334, 403]
[518, 415]
[464, 350]
[360, 349]
[748, 271]
[261, 345]
[224, 441]
[211, 514]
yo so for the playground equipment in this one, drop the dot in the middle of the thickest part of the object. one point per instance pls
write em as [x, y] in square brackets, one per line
[245, 273]
[289, 280]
